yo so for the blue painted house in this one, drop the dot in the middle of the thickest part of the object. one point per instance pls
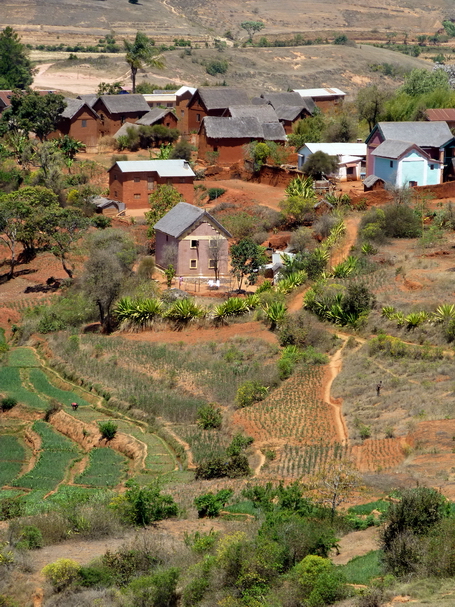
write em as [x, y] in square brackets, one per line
[405, 164]
[409, 153]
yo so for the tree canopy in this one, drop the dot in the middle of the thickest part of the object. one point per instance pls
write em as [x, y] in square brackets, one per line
[15, 66]
[33, 112]
[319, 164]
[163, 199]
[252, 27]
[140, 53]
[246, 259]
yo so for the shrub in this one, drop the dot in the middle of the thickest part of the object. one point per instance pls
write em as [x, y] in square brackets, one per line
[238, 444]
[61, 573]
[210, 504]
[215, 467]
[108, 429]
[11, 507]
[101, 222]
[8, 403]
[95, 576]
[208, 417]
[158, 589]
[217, 66]
[250, 392]
[143, 505]
[214, 193]
[30, 538]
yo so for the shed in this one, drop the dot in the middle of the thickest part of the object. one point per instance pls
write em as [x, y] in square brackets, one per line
[373, 182]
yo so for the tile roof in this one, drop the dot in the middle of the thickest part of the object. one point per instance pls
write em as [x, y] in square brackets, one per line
[181, 217]
[218, 98]
[164, 168]
[118, 104]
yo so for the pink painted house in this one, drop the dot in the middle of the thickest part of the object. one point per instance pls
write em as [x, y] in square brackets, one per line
[193, 241]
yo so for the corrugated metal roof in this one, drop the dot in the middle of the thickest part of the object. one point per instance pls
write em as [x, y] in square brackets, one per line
[336, 149]
[184, 89]
[423, 134]
[328, 92]
[181, 217]
[441, 114]
[391, 148]
[164, 168]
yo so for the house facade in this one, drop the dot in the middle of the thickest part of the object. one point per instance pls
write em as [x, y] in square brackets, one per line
[193, 241]
[212, 101]
[115, 110]
[132, 181]
[226, 137]
[405, 164]
[182, 98]
[80, 121]
[433, 138]
[325, 99]
[351, 158]
[156, 116]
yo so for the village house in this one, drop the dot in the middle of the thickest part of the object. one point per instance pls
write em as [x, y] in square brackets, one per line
[89, 99]
[182, 98]
[213, 101]
[79, 121]
[434, 143]
[162, 99]
[115, 110]
[442, 115]
[193, 241]
[289, 107]
[132, 181]
[223, 139]
[264, 113]
[351, 158]
[325, 99]
[106, 206]
[156, 116]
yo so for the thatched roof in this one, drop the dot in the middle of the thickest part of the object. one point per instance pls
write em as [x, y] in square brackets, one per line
[247, 127]
[122, 104]
[264, 113]
[155, 115]
[218, 98]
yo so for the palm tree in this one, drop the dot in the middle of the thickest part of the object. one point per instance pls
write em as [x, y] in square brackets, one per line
[140, 53]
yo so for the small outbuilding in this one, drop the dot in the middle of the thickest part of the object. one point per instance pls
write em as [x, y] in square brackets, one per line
[373, 182]
[193, 241]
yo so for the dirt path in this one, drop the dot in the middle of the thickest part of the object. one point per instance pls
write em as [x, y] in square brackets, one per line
[355, 544]
[335, 366]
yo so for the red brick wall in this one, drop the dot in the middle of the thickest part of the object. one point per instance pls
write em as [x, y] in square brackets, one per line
[181, 109]
[109, 123]
[325, 105]
[135, 194]
[229, 150]
[170, 121]
[196, 109]
[74, 128]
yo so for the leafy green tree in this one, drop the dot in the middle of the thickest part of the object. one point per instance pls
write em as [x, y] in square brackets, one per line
[319, 164]
[210, 504]
[111, 257]
[371, 102]
[33, 112]
[162, 200]
[69, 146]
[252, 27]
[308, 130]
[109, 88]
[421, 80]
[141, 53]
[63, 228]
[147, 504]
[246, 260]
[15, 67]
[342, 128]
[13, 214]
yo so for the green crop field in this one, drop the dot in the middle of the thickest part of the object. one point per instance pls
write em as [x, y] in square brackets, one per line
[23, 357]
[54, 460]
[12, 456]
[11, 384]
[106, 469]
[40, 382]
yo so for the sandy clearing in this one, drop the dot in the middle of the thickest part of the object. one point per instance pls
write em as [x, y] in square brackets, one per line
[75, 82]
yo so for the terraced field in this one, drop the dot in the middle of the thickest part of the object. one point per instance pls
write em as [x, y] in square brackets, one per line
[44, 461]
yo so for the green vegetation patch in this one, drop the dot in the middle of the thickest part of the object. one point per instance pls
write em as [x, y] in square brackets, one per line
[11, 384]
[41, 383]
[52, 440]
[23, 357]
[106, 468]
[362, 569]
[365, 509]
[12, 456]
[205, 444]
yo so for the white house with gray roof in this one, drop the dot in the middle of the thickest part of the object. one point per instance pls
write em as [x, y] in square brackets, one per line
[417, 153]
[351, 157]
[193, 241]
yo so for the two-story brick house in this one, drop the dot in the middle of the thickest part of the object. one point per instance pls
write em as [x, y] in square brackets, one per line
[115, 110]
[193, 241]
[132, 181]
[80, 121]
[213, 101]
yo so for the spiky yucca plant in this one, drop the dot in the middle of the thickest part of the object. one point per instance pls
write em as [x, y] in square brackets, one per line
[388, 312]
[184, 311]
[275, 313]
[346, 267]
[444, 313]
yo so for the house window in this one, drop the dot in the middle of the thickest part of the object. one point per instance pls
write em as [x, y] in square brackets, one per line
[136, 196]
[194, 244]
[102, 118]
[182, 112]
[150, 183]
[193, 264]
[182, 180]
[137, 180]
[215, 149]
[213, 244]
[412, 184]
[212, 264]
[391, 164]
[198, 117]
[170, 104]
[84, 123]
[167, 237]
[115, 193]
[122, 119]
[431, 167]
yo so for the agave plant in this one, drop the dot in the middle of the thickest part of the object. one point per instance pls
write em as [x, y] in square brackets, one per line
[266, 286]
[302, 187]
[368, 249]
[415, 319]
[147, 311]
[388, 312]
[252, 301]
[124, 309]
[346, 267]
[338, 201]
[399, 318]
[444, 313]
[275, 313]
[185, 310]
[291, 282]
[232, 307]
[336, 233]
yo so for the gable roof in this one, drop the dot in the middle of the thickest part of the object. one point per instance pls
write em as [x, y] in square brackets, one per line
[89, 99]
[289, 112]
[324, 92]
[246, 127]
[441, 114]
[123, 130]
[164, 168]
[336, 149]
[371, 180]
[103, 203]
[73, 106]
[218, 98]
[122, 104]
[423, 134]
[185, 89]
[277, 99]
[181, 217]
[392, 148]
[264, 113]
[153, 116]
